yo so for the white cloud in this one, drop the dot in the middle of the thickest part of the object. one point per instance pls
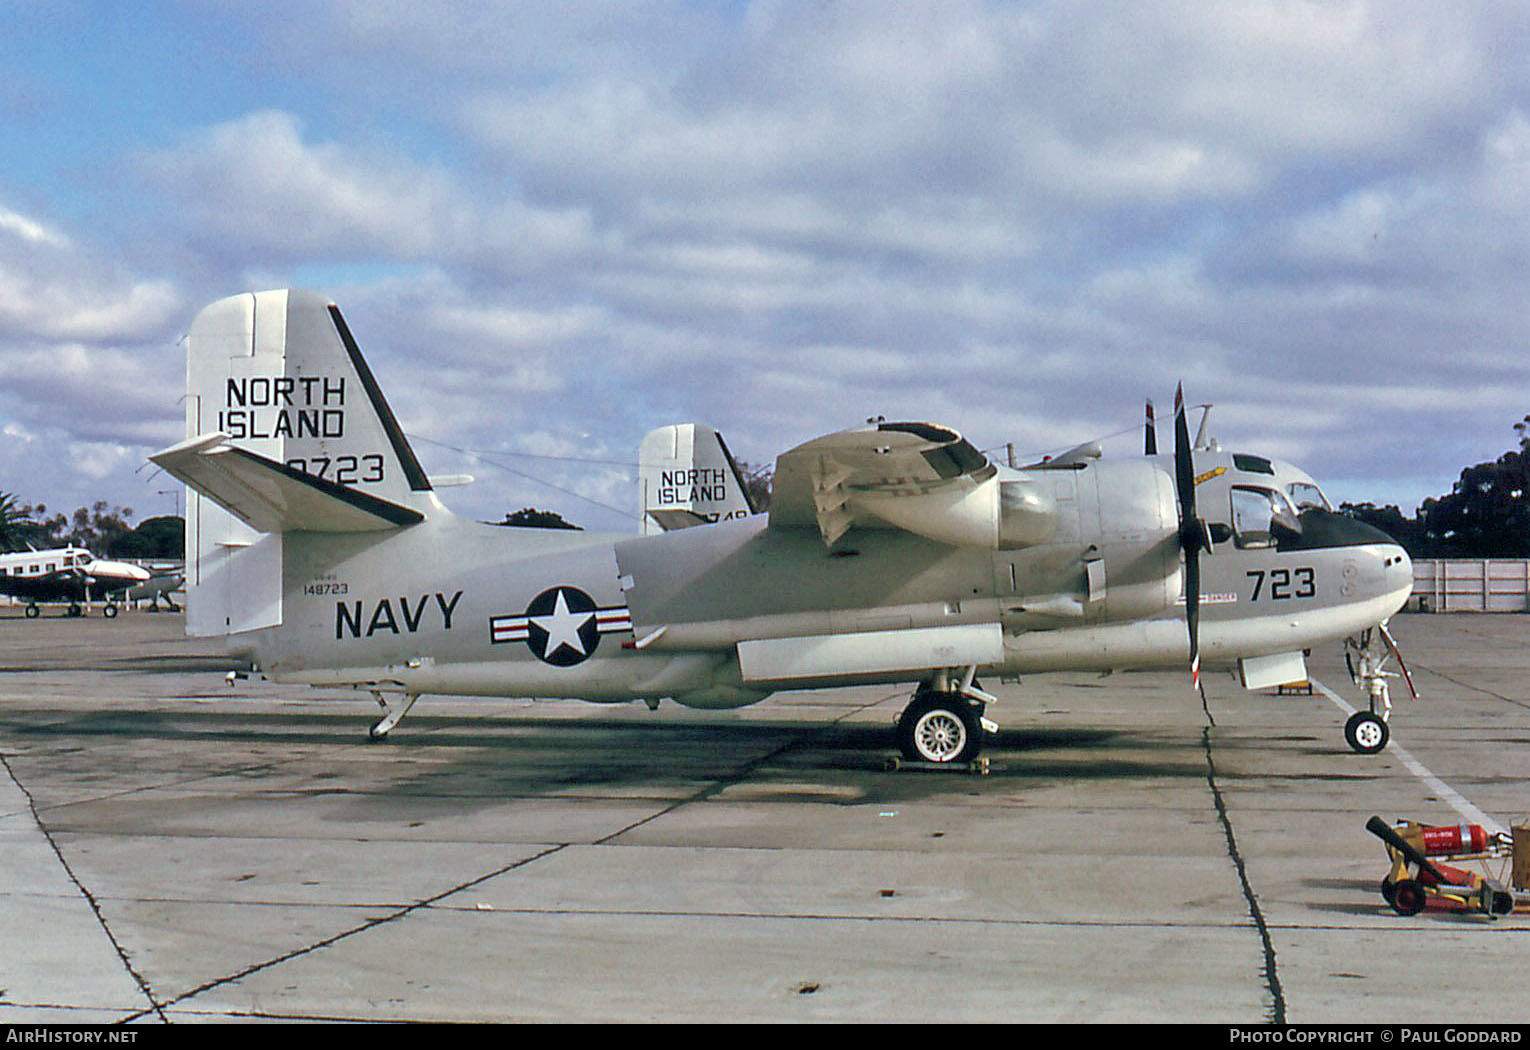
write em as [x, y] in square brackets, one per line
[567, 224]
[15, 225]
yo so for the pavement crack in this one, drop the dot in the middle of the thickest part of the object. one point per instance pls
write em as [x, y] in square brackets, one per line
[371, 924]
[84, 892]
[1271, 971]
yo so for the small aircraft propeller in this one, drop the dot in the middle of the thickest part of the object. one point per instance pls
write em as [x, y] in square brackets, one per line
[1193, 535]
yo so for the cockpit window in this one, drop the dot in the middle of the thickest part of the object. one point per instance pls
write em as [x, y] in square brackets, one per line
[1307, 495]
[1257, 514]
[1253, 464]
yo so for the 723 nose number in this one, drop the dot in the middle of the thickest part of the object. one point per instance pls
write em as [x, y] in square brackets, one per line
[1283, 583]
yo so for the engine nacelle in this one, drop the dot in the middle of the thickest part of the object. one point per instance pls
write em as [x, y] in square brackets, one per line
[1113, 554]
[1001, 512]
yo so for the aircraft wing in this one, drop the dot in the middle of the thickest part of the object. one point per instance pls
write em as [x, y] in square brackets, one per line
[273, 497]
[921, 477]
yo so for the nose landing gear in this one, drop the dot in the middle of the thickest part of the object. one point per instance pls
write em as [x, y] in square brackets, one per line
[1367, 657]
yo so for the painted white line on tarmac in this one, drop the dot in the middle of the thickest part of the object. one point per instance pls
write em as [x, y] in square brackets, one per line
[1457, 801]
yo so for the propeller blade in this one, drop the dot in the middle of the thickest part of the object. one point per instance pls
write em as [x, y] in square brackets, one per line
[1184, 467]
[1150, 441]
[1193, 613]
[1190, 532]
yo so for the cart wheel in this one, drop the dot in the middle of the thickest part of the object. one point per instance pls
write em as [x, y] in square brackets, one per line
[1388, 890]
[1408, 897]
[1366, 732]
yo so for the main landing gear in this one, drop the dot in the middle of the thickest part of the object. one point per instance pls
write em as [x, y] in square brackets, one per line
[108, 610]
[944, 723]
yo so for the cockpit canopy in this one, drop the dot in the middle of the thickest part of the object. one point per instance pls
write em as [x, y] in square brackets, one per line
[1265, 503]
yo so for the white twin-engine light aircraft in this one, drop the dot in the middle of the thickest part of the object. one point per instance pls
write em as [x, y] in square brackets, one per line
[891, 553]
[68, 574]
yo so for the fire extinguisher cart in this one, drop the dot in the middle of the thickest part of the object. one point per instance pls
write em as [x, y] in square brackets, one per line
[1423, 872]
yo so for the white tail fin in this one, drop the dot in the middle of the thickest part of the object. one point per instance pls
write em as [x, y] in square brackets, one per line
[286, 429]
[687, 476]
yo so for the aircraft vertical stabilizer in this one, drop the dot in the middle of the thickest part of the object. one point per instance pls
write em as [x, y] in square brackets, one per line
[687, 476]
[277, 386]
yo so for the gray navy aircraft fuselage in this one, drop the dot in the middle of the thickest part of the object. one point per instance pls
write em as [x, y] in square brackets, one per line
[893, 552]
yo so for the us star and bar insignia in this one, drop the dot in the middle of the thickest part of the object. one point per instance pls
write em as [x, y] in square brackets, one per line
[562, 626]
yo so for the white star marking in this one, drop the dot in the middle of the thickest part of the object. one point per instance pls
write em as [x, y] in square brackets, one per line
[562, 627]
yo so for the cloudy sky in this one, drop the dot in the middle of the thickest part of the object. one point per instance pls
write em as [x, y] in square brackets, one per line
[555, 226]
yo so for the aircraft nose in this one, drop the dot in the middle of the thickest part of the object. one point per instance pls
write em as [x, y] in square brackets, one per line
[124, 570]
[1398, 567]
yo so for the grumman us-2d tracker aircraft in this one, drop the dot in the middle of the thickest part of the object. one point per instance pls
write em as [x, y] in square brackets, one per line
[891, 553]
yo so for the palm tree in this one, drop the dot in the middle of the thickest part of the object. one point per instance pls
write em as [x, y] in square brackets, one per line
[16, 522]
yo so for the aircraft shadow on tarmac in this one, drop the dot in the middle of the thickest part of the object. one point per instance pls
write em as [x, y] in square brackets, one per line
[496, 757]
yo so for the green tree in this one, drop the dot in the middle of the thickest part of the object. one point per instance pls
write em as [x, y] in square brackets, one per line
[1485, 515]
[98, 526]
[531, 518]
[1406, 531]
[163, 537]
[757, 483]
[17, 525]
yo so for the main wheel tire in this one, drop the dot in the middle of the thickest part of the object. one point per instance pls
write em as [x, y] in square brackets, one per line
[1366, 732]
[940, 728]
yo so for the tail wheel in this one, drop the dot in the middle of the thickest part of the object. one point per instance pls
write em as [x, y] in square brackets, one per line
[940, 728]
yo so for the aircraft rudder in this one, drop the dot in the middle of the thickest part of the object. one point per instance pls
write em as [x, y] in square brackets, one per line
[687, 476]
[280, 375]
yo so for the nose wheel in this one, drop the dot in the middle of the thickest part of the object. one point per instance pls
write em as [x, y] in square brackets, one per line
[1367, 732]
[1368, 657]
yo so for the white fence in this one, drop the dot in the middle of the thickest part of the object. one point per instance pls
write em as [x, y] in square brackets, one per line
[1471, 585]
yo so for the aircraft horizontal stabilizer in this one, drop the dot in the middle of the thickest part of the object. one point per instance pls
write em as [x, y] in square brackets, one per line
[273, 497]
